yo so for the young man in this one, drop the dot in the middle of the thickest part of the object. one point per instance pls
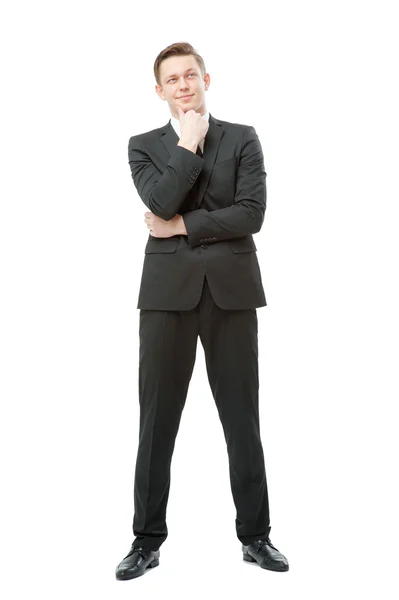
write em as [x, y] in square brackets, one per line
[204, 184]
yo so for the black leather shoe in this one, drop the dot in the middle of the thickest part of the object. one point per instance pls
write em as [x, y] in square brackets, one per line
[137, 562]
[266, 555]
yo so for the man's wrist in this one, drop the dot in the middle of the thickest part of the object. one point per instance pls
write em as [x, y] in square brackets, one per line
[180, 226]
[189, 145]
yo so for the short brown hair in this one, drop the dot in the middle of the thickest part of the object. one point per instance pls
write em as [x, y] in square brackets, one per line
[177, 49]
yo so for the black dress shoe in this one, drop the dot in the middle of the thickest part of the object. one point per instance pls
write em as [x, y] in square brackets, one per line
[266, 555]
[136, 562]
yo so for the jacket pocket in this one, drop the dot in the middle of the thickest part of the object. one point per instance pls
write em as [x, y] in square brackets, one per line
[224, 163]
[161, 245]
[245, 244]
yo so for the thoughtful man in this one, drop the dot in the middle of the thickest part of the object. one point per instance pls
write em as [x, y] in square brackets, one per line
[204, 184]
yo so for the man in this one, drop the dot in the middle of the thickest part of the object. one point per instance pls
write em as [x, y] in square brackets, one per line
[204, 184]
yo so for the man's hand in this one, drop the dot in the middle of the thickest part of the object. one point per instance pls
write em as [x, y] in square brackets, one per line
[193, 127]
[164, 229]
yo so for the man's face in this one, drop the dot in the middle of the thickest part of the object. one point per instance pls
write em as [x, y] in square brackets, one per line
[181, 76]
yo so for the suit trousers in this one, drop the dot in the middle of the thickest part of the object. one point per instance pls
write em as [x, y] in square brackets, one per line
[168, 342]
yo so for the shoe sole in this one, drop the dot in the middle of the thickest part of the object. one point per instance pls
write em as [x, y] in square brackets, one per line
[129, 575]
[248, 558]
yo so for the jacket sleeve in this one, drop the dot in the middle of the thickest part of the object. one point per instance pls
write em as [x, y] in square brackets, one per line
[163, 193]
[247, 213]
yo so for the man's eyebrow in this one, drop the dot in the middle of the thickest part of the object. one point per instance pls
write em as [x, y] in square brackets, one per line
[174, 74]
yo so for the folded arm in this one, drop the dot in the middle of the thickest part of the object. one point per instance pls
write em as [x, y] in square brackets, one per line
[247, 213]
[163, 193]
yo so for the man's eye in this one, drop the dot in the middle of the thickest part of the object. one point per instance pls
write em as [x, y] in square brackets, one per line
[170, 80]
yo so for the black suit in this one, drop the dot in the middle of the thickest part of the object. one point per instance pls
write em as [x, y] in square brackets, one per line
[223, 199]
[205, 284]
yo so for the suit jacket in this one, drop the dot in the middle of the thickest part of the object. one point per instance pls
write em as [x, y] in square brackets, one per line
[222, 197]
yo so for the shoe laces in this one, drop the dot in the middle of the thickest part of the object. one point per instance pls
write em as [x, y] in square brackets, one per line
[138, 549]
[268, 542]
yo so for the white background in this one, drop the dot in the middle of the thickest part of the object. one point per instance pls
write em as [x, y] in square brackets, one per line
[318, 81]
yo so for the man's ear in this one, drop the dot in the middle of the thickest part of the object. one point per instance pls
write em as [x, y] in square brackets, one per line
[159, 91]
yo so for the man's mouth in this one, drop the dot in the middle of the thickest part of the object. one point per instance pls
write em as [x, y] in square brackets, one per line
[182, 97]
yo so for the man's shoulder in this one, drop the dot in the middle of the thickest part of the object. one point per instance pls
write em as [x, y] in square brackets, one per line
[148, 136]
[237, 127]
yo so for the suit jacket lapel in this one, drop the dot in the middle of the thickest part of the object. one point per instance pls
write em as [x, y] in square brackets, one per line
[212, 140]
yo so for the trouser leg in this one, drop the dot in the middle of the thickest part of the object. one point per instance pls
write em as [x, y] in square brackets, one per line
[168, 341]
[230, 341]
